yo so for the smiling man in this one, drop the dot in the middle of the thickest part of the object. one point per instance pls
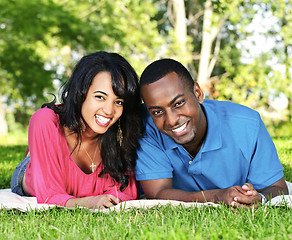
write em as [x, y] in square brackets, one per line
[202, 150]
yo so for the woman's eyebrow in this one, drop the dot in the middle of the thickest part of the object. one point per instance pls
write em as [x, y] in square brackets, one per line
[100, 92]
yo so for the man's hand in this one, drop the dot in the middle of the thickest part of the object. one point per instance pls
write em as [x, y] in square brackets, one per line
[162, 189]
[238, 196]
[273, 190]
[250, 197]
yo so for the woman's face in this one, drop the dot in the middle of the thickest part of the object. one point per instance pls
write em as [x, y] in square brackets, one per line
[101, 108]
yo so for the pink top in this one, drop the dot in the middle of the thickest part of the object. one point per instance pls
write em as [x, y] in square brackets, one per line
[52, 175]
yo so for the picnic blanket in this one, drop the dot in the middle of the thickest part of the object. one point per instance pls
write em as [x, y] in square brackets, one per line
[9, 200]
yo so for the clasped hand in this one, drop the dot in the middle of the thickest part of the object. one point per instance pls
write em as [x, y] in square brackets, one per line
[240, 196]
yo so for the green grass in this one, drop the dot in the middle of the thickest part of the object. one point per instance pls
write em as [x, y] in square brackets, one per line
[284, 148]
[164, 222]
[157, 223]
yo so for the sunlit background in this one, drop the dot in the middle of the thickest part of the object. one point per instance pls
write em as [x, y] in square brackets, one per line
[237, 50]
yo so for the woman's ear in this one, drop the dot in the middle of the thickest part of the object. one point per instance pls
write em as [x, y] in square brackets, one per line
[198, 93]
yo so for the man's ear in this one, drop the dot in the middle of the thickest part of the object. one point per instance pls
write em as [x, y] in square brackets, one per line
[198, 93]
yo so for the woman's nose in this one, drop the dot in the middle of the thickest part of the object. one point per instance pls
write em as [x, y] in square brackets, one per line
[108, 108]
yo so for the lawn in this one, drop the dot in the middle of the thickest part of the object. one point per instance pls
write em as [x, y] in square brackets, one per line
[165, 222]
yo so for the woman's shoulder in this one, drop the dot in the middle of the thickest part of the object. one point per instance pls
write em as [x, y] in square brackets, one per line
[45, 115]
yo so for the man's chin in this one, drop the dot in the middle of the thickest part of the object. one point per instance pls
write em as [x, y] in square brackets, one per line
[185, 140]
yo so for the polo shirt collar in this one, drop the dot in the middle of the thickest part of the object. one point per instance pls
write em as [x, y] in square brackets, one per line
[213, 139]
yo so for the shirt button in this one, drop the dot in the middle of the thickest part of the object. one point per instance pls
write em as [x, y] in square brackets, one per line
[190, 162]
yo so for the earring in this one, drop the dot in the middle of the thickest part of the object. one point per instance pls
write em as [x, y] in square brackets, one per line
[120, 134]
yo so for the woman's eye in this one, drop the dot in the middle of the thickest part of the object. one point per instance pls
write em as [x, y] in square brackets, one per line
[120, 102]
[99, 97]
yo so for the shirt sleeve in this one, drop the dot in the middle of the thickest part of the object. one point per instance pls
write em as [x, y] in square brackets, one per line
[152, 161]
[130, 193]
[44, 177]
[265, 167]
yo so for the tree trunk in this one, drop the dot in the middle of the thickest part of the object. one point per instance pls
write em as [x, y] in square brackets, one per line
[180, 26]
[207, 41]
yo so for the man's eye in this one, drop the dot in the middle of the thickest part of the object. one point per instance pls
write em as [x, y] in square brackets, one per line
[156, 113]
[179, 103]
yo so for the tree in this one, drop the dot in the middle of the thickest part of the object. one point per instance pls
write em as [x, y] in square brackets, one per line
[27, 31]
[42, 39]
[266, 77]
[209, 25]
[282, 51]
[219, 30]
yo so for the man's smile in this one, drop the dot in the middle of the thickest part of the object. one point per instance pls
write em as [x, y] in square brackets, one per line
[180, 130]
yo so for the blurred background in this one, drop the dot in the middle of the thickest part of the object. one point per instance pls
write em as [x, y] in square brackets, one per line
[237, 50]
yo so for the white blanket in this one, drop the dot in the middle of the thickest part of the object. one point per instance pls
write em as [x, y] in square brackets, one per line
[9, 200]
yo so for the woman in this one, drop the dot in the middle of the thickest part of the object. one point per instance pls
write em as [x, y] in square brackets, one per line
[82, 152]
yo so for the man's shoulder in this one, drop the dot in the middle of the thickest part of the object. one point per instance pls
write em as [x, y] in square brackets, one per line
[227, 109]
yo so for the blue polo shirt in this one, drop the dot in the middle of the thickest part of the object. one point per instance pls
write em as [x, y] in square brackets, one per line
[237, 149]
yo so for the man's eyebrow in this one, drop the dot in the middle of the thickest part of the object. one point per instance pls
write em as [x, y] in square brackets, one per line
[154, 107]
[173, 100]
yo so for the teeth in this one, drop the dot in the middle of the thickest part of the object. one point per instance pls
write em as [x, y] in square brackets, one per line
[180, 128]
[102, 119]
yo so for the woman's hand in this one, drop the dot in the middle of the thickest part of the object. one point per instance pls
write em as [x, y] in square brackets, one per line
[94, 202]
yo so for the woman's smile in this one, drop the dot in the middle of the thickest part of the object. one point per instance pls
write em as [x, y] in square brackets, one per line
[102, 121]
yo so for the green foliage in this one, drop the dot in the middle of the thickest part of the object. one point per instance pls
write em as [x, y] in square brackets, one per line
[282, 11]
[28, 28]
[41, 41]
[279, 128]
[246, 84]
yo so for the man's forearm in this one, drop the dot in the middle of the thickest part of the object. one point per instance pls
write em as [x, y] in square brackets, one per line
[274, 191]
[180, 195]
[278, 188]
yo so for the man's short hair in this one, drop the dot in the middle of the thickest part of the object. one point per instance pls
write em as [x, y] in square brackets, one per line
[160, 68]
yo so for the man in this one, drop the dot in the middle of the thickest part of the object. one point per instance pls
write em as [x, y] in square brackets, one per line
[196, 150]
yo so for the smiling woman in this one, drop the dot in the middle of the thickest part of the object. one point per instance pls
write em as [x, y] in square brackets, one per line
[83, 150]
[101, 108]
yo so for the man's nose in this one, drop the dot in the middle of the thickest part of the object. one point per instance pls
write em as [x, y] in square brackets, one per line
[171, 118]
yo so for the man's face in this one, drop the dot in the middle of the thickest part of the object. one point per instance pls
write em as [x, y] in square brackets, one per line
[175, 109]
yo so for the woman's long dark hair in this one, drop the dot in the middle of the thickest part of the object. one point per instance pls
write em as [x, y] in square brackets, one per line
[119, 160]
